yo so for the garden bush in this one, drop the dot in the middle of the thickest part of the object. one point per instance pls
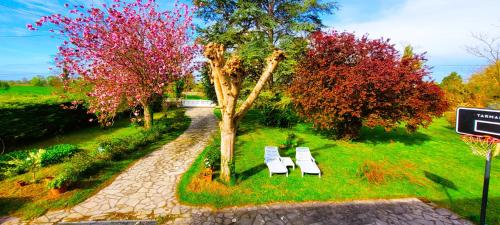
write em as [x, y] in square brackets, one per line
[4, 85]
[212, 157]
[79, 165]
[276, 110]
[291, 141]
[38, 81]
[451, 118]
[57, 153]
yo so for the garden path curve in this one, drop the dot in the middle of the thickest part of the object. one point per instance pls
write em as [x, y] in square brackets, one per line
[148, 188]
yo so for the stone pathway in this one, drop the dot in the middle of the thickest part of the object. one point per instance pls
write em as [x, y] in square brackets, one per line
[147, 189]
[377, 212]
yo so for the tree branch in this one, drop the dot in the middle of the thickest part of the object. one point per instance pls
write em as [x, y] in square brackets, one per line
[215, 54]
[272, 63]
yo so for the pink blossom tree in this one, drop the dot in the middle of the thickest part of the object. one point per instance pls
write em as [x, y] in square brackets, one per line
[127, 52]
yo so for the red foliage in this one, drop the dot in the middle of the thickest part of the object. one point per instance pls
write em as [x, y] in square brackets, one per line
[344, 82]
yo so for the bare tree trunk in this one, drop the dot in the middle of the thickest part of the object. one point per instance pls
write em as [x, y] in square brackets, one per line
[148, 115]
[228, 138]
[227, 77]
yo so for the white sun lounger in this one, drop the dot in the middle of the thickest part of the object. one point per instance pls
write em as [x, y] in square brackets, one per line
[306, 162]
[274, 162]
[272, 152]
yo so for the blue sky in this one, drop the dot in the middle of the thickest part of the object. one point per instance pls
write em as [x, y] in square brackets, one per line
[442, 28]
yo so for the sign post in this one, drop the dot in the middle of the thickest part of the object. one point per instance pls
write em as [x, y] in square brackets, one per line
[481, 130]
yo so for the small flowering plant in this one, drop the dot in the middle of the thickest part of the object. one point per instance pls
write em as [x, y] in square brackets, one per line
[34, 162]
[208, 163]
[212, 157]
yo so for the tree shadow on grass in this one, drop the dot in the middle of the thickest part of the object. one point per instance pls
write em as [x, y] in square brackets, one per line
[9, 204]
[440, 180]
[443, 182]
[324, 147]
[250, 172]
[378, 135]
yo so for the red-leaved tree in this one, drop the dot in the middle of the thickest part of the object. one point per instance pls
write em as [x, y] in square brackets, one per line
[127, 52]
[345, 82]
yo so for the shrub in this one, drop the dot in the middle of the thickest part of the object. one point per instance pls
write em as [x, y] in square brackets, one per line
[61, 180]
[212, 157]
[14, 166]
[57, 153]
[54, 81]
[451, 118]
[14, 155]
[276, 110]
[344, 82]
[80, 164]
[115, 148]
[4, 85]
[35, 162]
[291, 141]
[38, 81]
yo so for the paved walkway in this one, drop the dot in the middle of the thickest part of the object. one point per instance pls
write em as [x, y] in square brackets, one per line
[147, 191]
[378, 212]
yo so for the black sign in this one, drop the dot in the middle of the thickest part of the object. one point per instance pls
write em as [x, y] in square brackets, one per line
[478, 122]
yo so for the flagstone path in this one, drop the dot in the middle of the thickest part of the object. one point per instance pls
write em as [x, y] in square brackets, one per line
[410, 211]
[146, 191]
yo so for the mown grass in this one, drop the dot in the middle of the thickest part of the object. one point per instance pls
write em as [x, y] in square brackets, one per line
[33, 200]
[432, 164]
[16, 95]
[27, 91]
[195, 96]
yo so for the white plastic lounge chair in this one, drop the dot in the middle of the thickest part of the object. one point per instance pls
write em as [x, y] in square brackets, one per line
[306, 162]
[272, 152]
[275, 166]
[274, 162]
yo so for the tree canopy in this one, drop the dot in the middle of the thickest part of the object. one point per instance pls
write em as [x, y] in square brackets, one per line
[255, 28]
[127, 52]
[484, 87]
[345, 82]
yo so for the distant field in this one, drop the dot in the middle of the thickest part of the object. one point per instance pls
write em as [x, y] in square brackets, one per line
[27, 91]
[21, 95]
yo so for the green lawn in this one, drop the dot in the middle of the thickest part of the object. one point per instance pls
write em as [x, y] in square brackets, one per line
[432, 164]
[195, 96]
[27, 91]
[33, 200]
[28, 94]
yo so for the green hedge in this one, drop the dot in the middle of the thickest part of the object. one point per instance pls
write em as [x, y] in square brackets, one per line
[30, 121]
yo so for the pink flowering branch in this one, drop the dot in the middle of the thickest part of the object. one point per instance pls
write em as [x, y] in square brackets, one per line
[127, 52]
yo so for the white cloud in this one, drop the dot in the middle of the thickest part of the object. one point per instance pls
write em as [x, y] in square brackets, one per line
[442, 28]
[41, 6]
